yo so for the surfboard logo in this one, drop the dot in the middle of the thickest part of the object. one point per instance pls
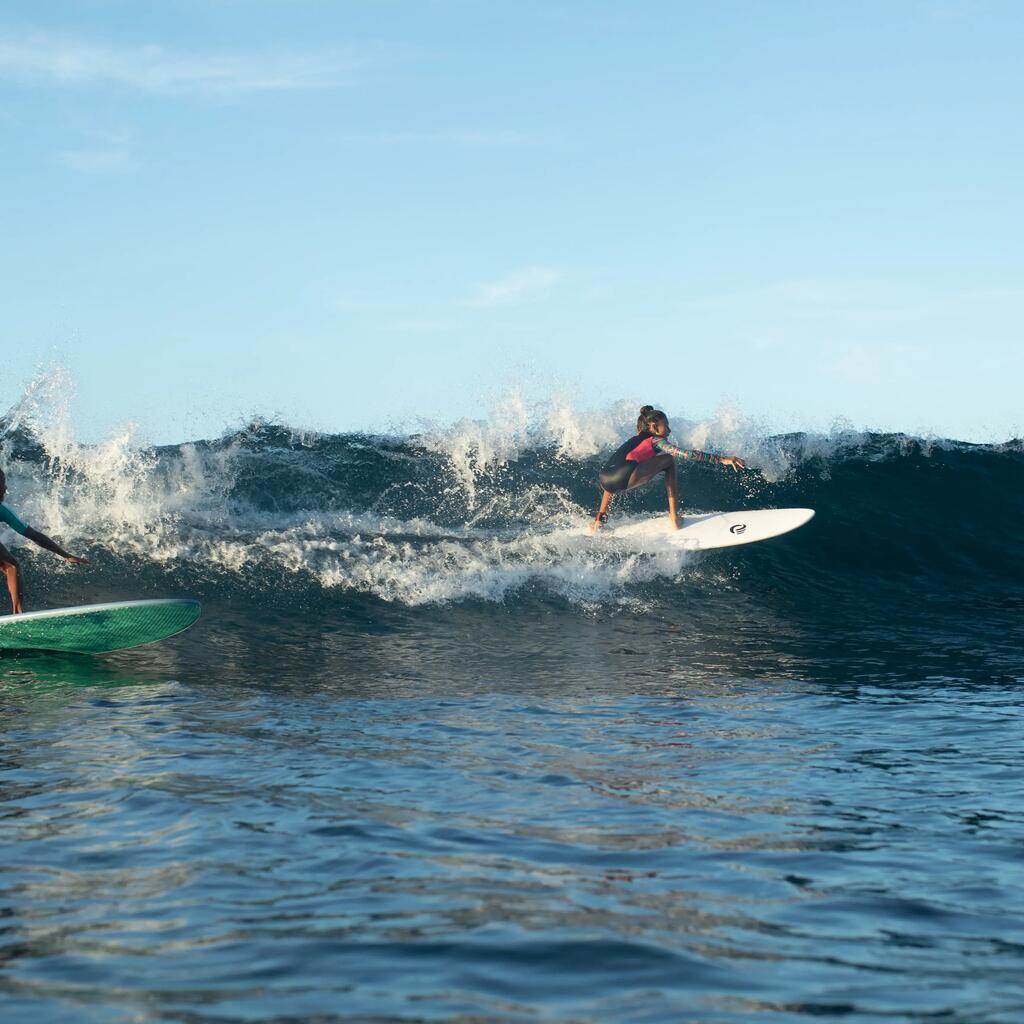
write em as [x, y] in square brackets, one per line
[738, 528]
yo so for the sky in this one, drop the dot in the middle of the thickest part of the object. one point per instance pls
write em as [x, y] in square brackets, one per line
[367, 214]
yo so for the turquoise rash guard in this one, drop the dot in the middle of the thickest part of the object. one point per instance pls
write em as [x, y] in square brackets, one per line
[8, 517]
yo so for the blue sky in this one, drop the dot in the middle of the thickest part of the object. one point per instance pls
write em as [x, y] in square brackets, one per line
[359, 214]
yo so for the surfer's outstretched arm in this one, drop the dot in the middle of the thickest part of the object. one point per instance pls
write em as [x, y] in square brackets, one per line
[51, 545]
[695, 455]
[602, 512]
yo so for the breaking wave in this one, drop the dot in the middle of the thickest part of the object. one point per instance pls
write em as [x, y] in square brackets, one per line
[496, 510]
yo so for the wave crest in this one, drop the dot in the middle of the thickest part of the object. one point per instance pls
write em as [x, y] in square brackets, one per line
[486, 509]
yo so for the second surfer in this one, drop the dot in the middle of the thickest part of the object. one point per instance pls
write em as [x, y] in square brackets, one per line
[644, 456]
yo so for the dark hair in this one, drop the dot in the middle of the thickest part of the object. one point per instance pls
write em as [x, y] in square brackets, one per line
[649, 416]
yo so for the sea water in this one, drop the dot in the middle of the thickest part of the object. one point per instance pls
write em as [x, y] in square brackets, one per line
[433, 752]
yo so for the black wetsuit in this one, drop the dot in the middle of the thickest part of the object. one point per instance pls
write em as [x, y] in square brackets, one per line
[618, 469]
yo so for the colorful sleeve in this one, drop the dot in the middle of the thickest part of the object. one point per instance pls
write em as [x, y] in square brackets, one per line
[7, 516]
[690, 454]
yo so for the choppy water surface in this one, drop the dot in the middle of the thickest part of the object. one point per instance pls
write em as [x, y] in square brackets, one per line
[638, 839]
[432, 754]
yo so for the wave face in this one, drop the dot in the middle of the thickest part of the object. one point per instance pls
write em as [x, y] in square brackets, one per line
[493, 512]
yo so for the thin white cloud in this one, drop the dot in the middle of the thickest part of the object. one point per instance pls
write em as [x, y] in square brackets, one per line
[50, 60]
[870, 363]
[813, 298]
[100, 152]
[526, 285]
[96, 161]
[954, 10]
[795, 293]
[495, 139]
[858, 364]
[414, 325]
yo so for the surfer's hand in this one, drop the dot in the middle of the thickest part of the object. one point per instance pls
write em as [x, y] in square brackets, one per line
[734, 461]
[75, 560]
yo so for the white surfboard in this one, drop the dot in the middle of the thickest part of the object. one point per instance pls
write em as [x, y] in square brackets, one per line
[718, 529]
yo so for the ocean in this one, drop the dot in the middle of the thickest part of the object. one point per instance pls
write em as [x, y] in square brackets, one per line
[435, 753]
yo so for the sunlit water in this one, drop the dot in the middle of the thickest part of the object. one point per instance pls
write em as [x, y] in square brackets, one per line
[512, 817]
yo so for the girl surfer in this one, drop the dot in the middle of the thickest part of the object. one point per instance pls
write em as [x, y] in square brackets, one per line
[646, 455]
[8, 565]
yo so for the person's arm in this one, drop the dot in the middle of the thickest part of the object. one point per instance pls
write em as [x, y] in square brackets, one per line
[602, 513]
[51, 545]
[695, 455]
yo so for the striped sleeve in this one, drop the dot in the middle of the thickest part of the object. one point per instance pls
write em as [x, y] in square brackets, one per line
[690, 454]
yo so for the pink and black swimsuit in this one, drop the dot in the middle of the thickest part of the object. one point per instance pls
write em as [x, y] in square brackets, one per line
[619, 468]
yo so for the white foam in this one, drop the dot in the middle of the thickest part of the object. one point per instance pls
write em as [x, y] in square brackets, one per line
[477, 449]
[181, 506]
[396, 562]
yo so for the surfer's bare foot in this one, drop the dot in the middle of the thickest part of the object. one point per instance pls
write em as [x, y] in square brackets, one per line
[673, 522]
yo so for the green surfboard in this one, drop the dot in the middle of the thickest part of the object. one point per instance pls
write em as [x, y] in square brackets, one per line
[98, 628]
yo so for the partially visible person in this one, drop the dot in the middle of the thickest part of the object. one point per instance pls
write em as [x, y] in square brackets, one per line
[644, 456]
[8, 563]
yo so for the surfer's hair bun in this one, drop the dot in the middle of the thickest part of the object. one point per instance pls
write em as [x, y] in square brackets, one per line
[648, 417]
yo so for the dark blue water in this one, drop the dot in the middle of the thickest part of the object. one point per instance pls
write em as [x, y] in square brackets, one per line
[432, 753]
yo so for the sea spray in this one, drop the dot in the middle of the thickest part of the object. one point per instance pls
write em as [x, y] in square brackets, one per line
[496, 510]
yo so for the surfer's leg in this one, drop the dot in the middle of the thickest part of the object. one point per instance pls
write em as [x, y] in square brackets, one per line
[673, 493]
[10, 571]
[613, 479]
[647, 471]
